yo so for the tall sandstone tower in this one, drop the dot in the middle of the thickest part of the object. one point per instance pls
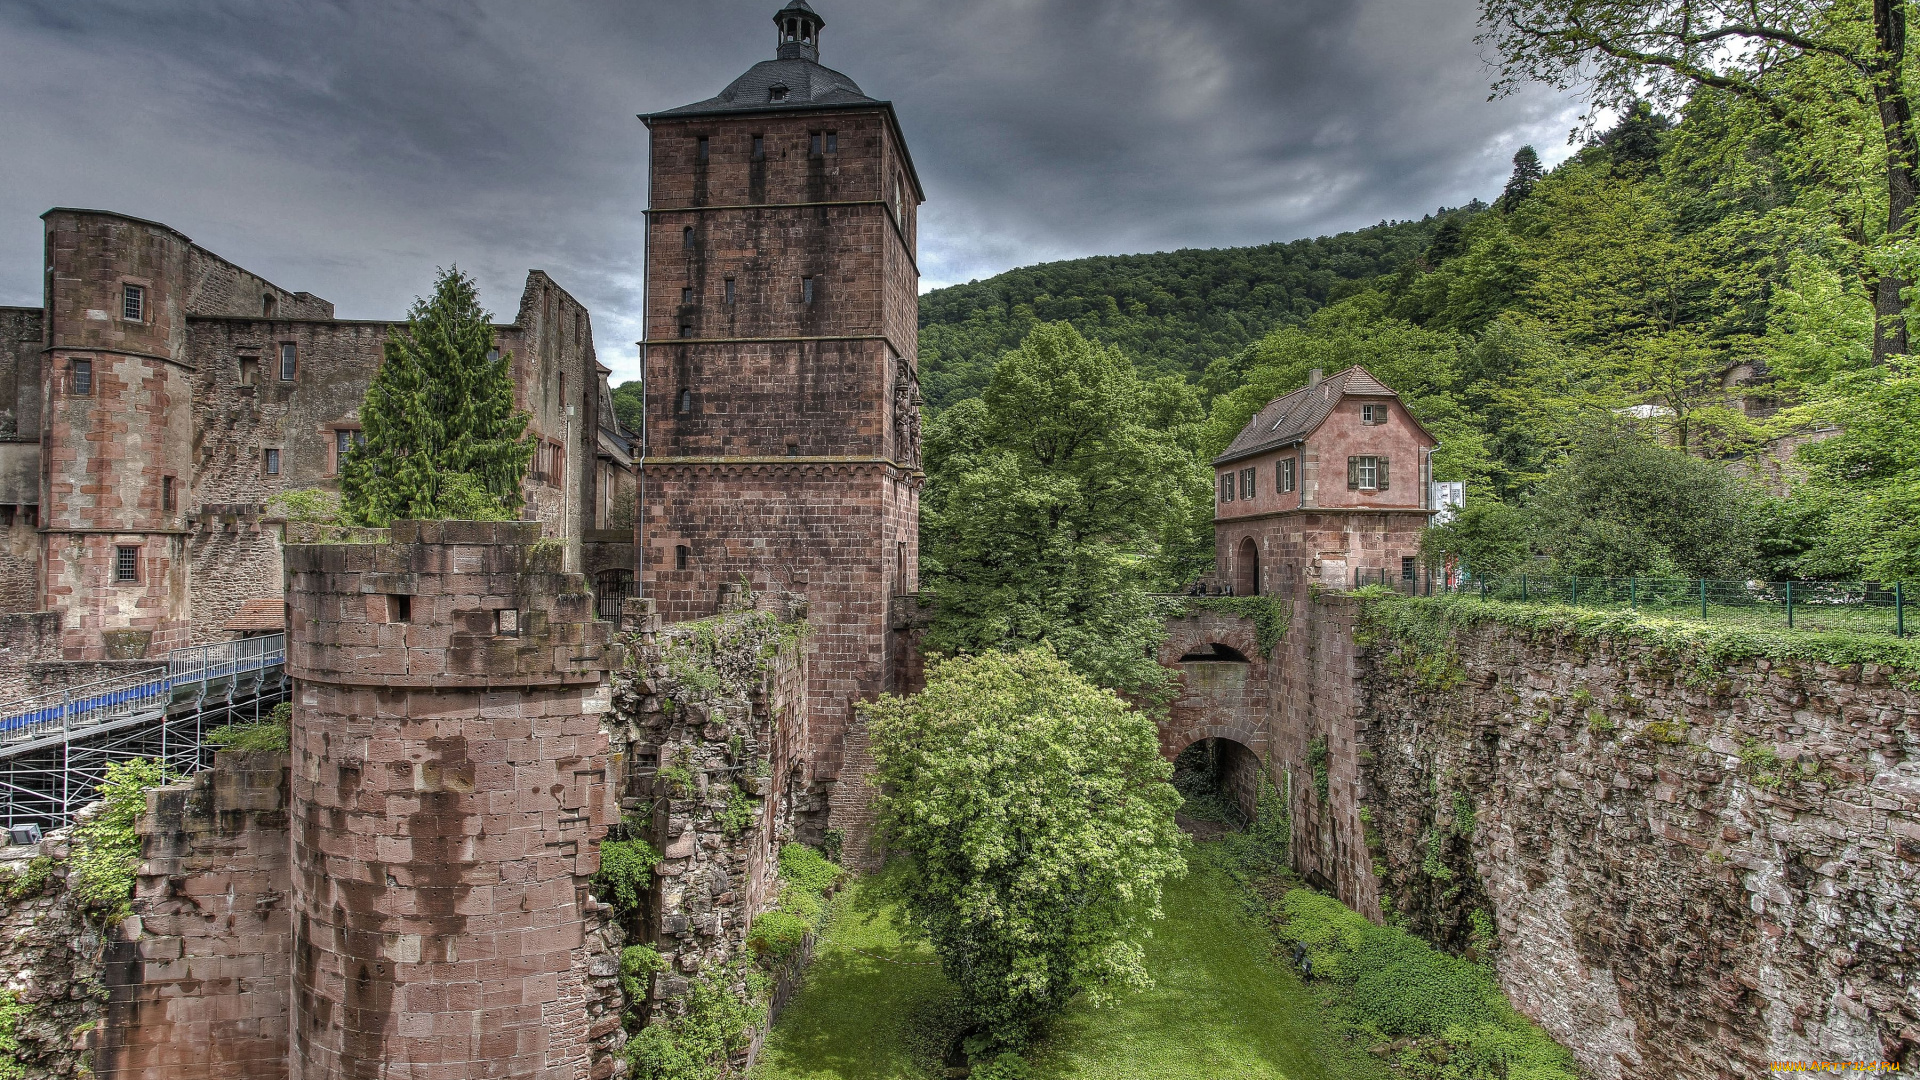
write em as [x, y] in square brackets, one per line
[781, 360]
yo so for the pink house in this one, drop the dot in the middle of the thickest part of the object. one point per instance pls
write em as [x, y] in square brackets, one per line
[1329, 483]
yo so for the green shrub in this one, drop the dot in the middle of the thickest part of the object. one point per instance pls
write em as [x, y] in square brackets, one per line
[805, 868]
[28, 881]
[638, 965]
[716, 1023]
[306, 505]
[777, 935]
[263, 735]
[1317, 761]
[13, 1012]
[1463, 816]
[1391, 985]
[1007, 1066]
[739, 813]
[1667, 733]
[1762, 765]
[106, 847]
[626, 874]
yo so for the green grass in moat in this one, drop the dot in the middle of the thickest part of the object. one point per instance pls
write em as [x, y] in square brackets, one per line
[1220, 1008]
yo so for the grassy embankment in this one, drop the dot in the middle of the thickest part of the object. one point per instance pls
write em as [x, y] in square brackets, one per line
[1220, 1007]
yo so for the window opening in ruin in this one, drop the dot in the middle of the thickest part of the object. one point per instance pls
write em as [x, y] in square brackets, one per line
[686, 401]
[686, 329]
[681, 553]
[133, 303]
[814, 144]
[1246, 483]
[7, 515]
[30, 514]
[806, 290]
[289, 360]
[1406, 568]
[1283, 474]
[700, 149]
[900, 573]
[729, 290]
[646, 757]
[611, 589]
[399, 608]
[686, 294]
[82, 371]
[686, 238]
[272, 461]
[833, 142]
[126, 564]
[249, 370]
[760, 141]
[166, 494]
[506, 622]
[268, 304]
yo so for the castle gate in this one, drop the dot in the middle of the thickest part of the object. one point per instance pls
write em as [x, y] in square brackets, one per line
[1223, 684]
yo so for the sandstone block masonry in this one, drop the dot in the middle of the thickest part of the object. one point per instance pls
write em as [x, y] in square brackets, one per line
[1695, 868]
[450, 788]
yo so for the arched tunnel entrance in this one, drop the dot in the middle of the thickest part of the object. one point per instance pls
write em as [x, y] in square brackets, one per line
[1220, 781]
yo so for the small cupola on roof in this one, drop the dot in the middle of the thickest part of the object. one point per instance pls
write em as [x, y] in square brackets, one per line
[799, 31]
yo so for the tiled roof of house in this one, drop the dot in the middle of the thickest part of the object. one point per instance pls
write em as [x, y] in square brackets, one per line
[1293, 417]
[267, 613]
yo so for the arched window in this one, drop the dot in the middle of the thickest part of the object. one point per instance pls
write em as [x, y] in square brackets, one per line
[686, 238]
[1246, 569]
[686, 401]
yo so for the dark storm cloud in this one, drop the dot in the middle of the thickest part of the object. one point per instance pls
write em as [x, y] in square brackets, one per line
[350, 147]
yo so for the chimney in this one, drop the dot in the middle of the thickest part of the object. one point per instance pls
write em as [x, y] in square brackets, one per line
[1314, 376]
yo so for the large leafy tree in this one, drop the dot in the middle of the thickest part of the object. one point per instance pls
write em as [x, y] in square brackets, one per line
[1788, 58]
[1055, 505]
[443, 439]
[1034, 825]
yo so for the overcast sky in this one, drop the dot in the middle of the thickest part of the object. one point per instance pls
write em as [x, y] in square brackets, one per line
[349, 147]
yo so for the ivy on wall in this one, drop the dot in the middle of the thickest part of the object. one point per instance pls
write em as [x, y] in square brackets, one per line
[1270, 615]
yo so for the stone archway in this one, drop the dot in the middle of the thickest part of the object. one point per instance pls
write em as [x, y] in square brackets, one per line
[1223, 765]
[1246, 568]
[1224, 681]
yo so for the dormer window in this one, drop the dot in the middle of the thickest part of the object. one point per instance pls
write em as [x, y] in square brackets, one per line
[777, 94]
[1373, 414]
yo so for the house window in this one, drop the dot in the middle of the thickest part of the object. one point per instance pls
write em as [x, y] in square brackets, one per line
[777, 94]
[686, 294]
[272, 461]
[249, 370]
[126, 564]
[806, 290]
[1406, 568]
[1373, 414]
[1246, 483]
[166, 494]
[729, 290]
[700, 149]
[133, 303]
[1367, 473]
[289, 360]
[344, 442]
[1226, 487]
[833, 142]
[686, 329]
[681, 553]
[82, 377]
[1283, 476]
[814, 147]
[686, 238]
[760, 141]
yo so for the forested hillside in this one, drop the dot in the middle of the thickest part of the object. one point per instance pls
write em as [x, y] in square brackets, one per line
[1172, 312]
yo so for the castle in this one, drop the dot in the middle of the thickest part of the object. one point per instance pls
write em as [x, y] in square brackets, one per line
[163, 395]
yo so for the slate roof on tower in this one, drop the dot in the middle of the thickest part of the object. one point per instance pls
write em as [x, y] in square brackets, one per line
[1292, 417]
[808, 85]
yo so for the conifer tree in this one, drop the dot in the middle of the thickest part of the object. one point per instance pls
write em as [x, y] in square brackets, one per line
[442, 436]
[1527, 171]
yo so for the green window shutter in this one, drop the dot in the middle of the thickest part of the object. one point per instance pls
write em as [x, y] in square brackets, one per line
[1353, 474]
[1383, 474]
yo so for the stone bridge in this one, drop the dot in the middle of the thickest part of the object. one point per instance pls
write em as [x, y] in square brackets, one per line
[1224, 696]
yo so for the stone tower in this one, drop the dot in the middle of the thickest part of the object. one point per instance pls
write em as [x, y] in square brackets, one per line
[450, 790]
[781, 365]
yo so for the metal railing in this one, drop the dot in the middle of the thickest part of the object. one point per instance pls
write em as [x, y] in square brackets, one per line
[93, 704]
[1861, 606]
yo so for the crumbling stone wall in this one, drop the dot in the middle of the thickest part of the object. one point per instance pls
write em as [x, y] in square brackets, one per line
[51, 956]
[199, 977]
[710, 727]
[1694, 869]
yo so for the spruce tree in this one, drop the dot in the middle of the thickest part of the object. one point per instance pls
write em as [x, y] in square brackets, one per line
[442, 436]
[1527, 171]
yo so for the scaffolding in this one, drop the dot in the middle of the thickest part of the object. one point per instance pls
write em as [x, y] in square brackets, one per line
[55, 748]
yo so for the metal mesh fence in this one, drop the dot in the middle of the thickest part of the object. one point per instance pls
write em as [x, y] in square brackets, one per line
[1862, 606]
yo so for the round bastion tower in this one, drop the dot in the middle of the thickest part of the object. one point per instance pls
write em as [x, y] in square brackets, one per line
[118, 435]
[450, 790]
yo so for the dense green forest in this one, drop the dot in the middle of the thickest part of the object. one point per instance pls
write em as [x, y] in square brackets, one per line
[1171, 313]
